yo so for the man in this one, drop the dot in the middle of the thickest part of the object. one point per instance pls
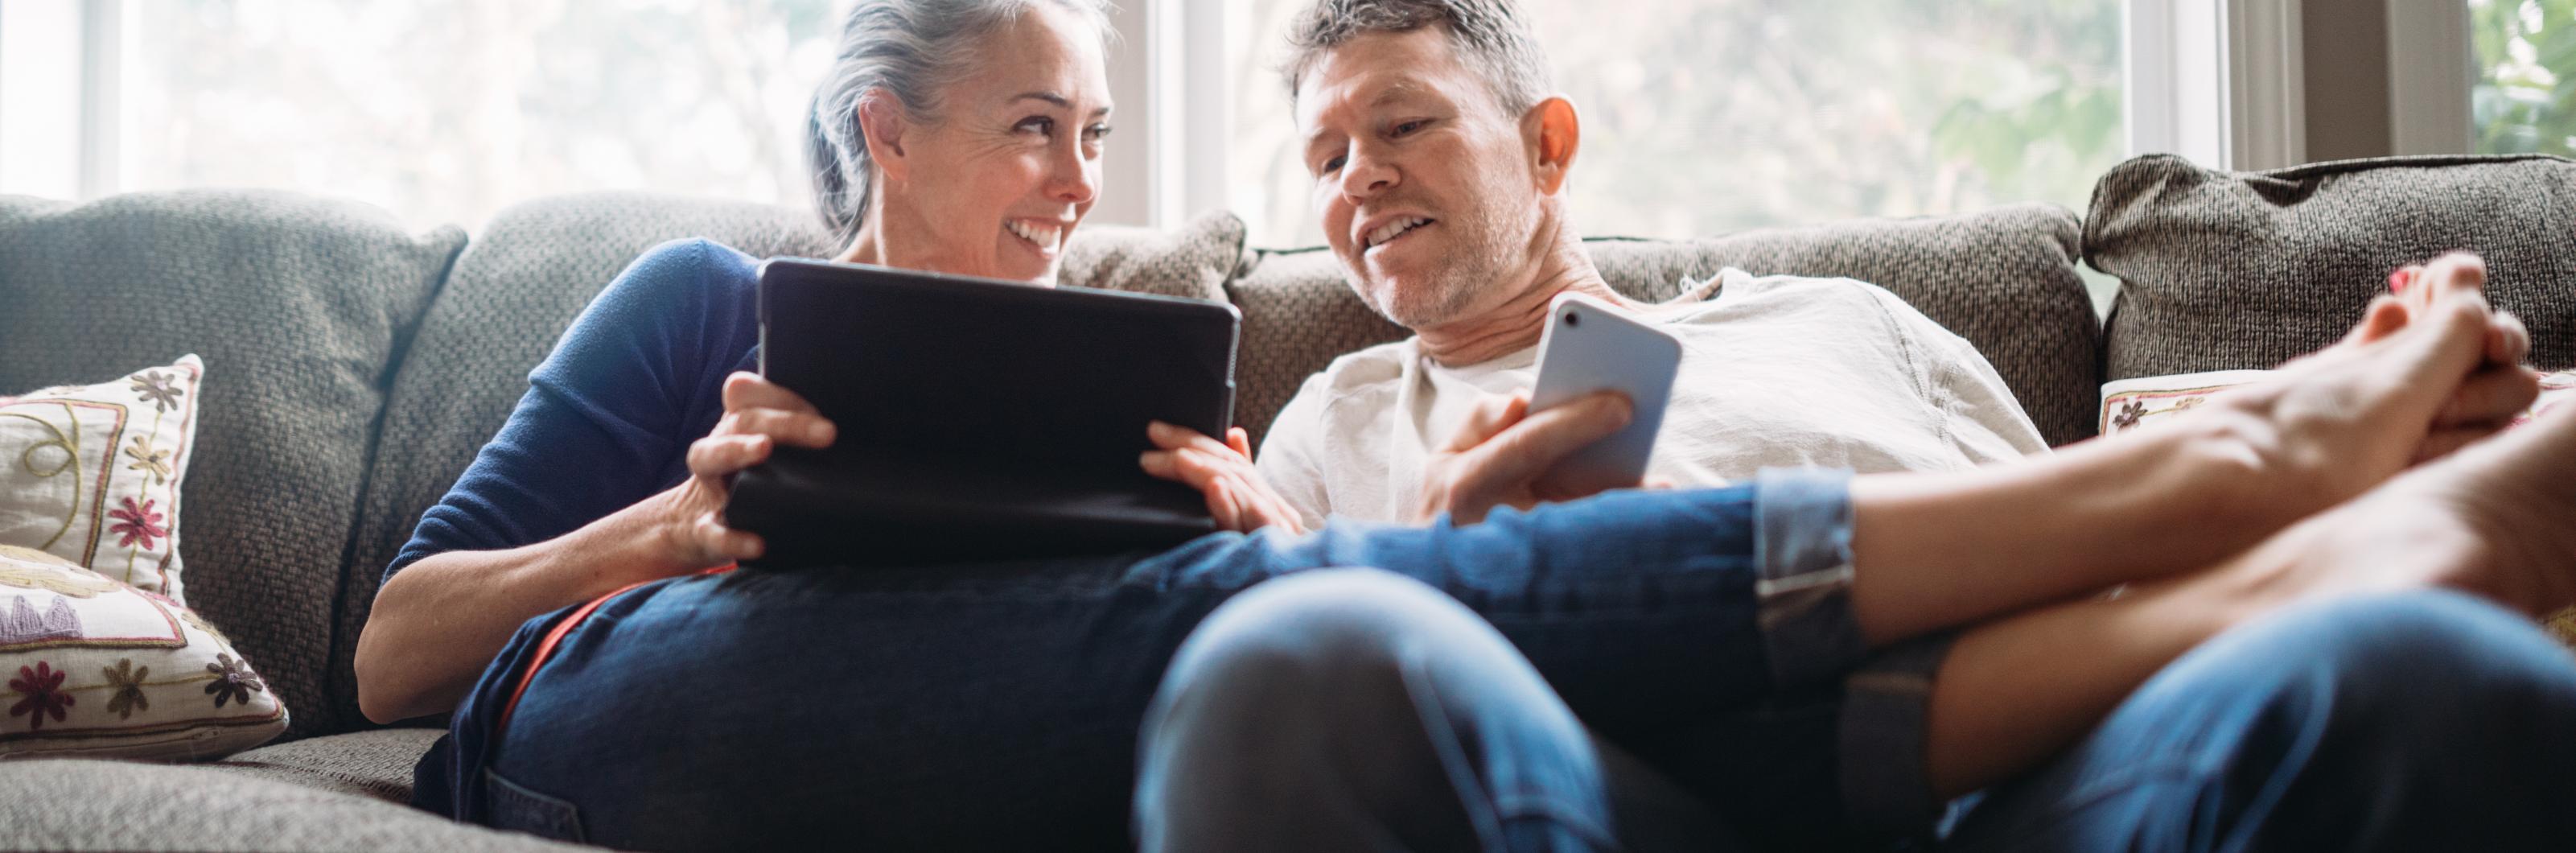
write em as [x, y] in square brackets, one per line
[1350, 711]
[1441, 184]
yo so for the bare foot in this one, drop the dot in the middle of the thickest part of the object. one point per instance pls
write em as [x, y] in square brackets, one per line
[2497, 519]
[2415, 379]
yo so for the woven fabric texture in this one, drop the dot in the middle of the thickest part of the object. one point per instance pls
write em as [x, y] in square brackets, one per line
[2004, 279]
[533, 269]
[298, 307]
[2224, 271]
[80, 804]
[375, 764]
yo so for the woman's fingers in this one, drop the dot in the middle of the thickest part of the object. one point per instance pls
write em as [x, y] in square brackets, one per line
[720, 455]
[747, 390]
[792, 428]
[721, 543]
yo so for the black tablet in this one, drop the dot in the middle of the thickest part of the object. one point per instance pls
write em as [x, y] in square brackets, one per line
[978, 419]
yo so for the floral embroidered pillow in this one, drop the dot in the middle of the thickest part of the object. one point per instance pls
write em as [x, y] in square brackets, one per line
[2129, 403]
[91, 473]
[96, 668]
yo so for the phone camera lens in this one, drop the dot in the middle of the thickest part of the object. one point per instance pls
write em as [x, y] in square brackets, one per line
[1572, 318]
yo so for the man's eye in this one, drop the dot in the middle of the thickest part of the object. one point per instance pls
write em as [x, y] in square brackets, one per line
[1409, 127]
[1332, 165]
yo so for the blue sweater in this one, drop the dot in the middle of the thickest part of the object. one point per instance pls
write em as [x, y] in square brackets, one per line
[609, 415]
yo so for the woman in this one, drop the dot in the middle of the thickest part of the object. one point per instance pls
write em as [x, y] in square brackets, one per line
[607, 687]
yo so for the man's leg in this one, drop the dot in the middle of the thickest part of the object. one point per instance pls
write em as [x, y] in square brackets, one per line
[2409, 721]
[1358, 710]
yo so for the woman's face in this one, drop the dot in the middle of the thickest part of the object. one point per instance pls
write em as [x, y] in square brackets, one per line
[997, 184]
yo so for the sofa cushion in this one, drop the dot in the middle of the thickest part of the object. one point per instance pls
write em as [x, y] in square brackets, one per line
[298, 305]
[82, 804]
[2224, 270]
[375, 764]
[537, 264]
[2004, 279]
[92, 474]
[99, 669]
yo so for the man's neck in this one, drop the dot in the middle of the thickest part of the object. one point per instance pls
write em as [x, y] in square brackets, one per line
[1517, 323]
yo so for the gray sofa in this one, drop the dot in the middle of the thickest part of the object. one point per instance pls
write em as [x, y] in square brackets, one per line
[353, 368]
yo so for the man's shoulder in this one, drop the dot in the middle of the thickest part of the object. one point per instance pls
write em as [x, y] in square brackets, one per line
[1845, 304]
[1360, 370]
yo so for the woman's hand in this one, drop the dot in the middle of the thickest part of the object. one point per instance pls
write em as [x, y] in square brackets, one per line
[758, 416]
[1236, 494]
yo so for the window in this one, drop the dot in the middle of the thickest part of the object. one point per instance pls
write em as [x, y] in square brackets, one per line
[1707, 116]
[2524, 99]
[442, 112]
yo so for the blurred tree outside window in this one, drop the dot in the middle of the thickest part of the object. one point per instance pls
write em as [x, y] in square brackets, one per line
[2525, 99]
[445, 112]
[1703, 117]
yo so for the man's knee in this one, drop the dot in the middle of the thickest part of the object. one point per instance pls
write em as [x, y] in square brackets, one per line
[1267, 656]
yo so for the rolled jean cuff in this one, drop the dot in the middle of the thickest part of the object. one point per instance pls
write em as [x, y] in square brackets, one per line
[1886, 738]
[1802, 551]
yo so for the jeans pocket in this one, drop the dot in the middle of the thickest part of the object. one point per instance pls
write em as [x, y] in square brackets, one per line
[517, 808]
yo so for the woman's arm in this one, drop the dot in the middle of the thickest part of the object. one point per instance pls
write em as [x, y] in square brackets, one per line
[437, 623]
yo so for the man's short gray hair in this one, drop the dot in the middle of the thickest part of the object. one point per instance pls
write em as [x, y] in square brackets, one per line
[912, 50]
[1492, 36]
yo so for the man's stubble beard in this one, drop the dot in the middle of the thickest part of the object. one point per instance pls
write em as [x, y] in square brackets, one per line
[1473, 270]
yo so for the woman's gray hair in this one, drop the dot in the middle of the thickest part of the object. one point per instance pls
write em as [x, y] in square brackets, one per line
[911, 50]
[1492, 36]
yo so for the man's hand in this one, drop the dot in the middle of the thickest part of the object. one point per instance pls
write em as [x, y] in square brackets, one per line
[1236, 494]
[1502, 454]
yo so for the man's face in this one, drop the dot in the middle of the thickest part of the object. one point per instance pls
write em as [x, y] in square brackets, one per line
[1424, 184]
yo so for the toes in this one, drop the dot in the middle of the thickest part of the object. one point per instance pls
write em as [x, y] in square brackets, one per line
[2385, 316]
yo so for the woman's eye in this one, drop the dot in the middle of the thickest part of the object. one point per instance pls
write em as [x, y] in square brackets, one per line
[1037, 124]
[1096, 132]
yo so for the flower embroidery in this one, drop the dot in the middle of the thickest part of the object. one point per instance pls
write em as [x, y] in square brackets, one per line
[154, 387]
[148, 460]
[136, 523]
[2129, 415]
[128, 684]
[43, 688]
[2188, 404]
[233, 681]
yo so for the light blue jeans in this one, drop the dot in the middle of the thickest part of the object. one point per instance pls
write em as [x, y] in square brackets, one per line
[998, 706]
[1358, 710]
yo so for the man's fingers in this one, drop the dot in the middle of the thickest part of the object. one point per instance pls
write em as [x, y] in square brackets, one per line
[1528, 448]
[744, 389]
[1492, 415]
[1171, 437]
[1239, 440]
[719, 455]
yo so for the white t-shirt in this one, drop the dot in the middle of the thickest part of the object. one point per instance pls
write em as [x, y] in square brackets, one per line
[1776, 371]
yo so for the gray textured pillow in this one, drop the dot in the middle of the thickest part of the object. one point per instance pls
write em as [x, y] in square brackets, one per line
[2224, 270]
[2004, 279]
[297, 305]
[533, 269]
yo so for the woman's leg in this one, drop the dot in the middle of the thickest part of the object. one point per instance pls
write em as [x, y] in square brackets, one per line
[2408, 721]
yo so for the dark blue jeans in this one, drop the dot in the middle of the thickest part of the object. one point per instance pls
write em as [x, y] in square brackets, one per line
[1357, 710]
[998, 706]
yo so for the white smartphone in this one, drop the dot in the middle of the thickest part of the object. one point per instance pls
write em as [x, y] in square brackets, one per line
[1590, 346]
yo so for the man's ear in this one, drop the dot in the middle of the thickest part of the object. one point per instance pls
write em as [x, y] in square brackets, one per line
[1554, 132]
[882, 124]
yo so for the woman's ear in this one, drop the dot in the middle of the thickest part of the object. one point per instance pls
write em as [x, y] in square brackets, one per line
[882, 124]
[1554, 132]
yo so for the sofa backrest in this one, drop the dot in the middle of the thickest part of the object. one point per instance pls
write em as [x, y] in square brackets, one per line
[2232, 270]
[300, 307]
[2004, 279]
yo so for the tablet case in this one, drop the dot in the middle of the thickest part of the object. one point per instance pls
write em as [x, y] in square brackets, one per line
[978, 420]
